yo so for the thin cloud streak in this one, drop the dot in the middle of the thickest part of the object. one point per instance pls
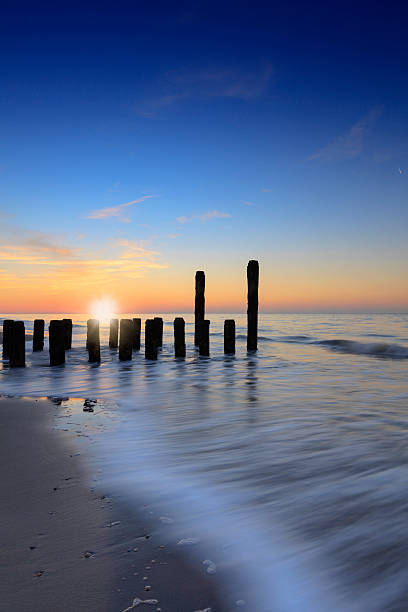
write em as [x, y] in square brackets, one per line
[351, 143]
[116, 211]
[211, 214]
[205, 84]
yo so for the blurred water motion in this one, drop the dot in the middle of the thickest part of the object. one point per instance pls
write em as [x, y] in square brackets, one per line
[289, 464]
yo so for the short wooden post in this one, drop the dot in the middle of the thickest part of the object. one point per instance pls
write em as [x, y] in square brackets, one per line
[56, 337]
[17, 345]
[158, 322]
[113, 333]
[229, 336]
[93, 344]
[252, 312]
[199, 306]
[7, 331]
[68, 333]
[38, 335]
[179, 337]
[150, 339]
[126, 339]
[204, 331]
[137, 326]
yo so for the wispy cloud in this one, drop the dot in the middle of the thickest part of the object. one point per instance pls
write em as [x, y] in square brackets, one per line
[266, 190]
[61, 267]
[351, 143]
[116, 211]
[37, 249]
[247, 203]
[133, 249]
[205, 84]
[210, 214]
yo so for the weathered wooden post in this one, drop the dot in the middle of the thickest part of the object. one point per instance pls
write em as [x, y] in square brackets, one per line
[179, 337]
[137, 326]
[199, 306]
[38, 335]
[252, 312]
[126, 339]
[7, 331]
[229, 336]
[56, 338]
[204, 332]
[158, 322]
[150, 339]
[68, 333]
[93, 343]
[17, 345]
[113, 333]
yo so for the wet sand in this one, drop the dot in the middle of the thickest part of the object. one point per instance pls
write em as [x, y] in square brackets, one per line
[67, 546]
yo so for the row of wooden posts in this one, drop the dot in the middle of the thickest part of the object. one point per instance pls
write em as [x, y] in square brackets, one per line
[60, 331]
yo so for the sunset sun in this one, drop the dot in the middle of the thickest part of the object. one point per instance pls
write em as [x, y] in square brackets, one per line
[103, 309]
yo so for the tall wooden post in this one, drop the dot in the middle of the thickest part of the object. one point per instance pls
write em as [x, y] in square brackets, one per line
[252, 312]
[38, 335]
[179, 337]
[229, 336]
[137, 326]
[93, 344]
[204, 331]
[199, 306]
[56, 337]
[113, 333]
[150, 339]
[7, 331]
[126, 339]
[158, 322]
[17, 345]
[68, 333]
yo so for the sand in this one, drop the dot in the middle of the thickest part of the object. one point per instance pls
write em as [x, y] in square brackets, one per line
[58, 551]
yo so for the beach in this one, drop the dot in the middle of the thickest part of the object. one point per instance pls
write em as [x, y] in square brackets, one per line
[68, 545]
[275, 479]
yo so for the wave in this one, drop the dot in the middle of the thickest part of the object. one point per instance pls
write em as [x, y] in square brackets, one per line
[374, 349]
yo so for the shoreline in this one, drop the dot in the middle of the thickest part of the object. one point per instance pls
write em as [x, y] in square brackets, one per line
[70, 546]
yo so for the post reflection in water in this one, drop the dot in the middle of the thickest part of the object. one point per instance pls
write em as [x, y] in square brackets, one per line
[251, 386]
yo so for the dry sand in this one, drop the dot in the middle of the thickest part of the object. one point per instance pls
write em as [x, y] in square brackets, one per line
[51, 519]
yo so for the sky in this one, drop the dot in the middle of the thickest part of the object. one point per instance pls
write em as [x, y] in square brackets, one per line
[142, 141]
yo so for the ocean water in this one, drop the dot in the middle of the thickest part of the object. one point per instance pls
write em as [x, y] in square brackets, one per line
[284, 471]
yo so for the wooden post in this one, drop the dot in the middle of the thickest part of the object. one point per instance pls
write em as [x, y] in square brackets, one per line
[179, 337]
[7, 331]
[56, 337]
[68, 333]
[204, 332]
[17, 345]
[93, 343]
[38, 336]
[113, 333]
[137, 325]
[252, 312]
[158, 322]
[126, 339]
[150, 339]
[199, 306]
[229, 336]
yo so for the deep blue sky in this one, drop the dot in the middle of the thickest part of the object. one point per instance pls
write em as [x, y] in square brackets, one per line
[275, 131]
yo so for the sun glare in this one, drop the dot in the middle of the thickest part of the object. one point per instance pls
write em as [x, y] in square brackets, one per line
[103, 309]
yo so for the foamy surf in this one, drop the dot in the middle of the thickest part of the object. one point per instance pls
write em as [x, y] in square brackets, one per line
[258, 566]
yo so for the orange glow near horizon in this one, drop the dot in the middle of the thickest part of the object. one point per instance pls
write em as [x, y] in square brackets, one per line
[173, 291]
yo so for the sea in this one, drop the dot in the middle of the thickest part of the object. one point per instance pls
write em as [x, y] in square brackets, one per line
[283, 472]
